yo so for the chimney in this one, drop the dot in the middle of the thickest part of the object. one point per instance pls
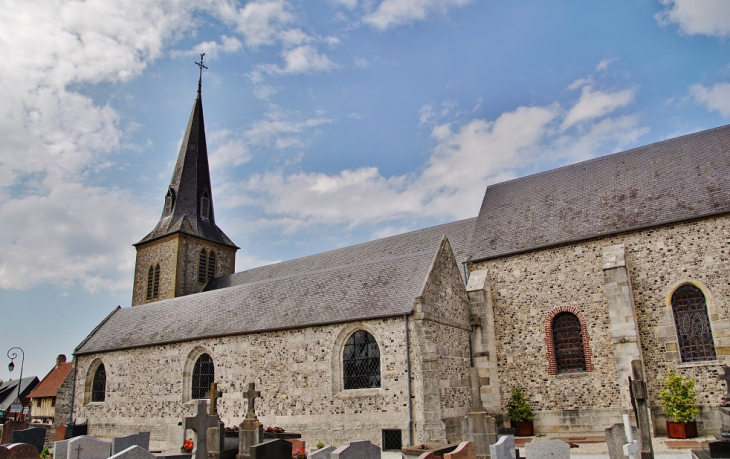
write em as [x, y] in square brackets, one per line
[60, 359]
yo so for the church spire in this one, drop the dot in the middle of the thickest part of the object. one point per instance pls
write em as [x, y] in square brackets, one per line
[189, 200]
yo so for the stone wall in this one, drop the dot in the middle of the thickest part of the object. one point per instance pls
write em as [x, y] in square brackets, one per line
[527, 288]
[178, 256]
[63, 401]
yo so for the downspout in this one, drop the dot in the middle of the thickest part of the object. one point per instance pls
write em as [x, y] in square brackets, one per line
[408, 370]
[473, 327]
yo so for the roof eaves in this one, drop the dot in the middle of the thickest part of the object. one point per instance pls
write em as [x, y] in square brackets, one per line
[96, 328]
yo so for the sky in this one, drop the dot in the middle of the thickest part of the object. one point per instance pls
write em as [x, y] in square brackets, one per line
[329, 123]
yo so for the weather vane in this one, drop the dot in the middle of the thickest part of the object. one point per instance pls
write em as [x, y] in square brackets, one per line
[200, 64]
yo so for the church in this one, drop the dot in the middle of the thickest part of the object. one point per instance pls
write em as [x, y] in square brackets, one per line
[560, 282]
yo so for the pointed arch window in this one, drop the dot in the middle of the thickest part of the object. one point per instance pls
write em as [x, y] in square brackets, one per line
[203, 376]
[150, 281]
[205, 205]
[361, 361]
[98, 385]
[692, 322]
[153, 282]
[202, 263]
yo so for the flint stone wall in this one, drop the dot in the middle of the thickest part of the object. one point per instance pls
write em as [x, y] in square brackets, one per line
[527, 287]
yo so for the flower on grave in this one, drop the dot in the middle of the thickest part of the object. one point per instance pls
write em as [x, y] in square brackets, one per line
[188, 444]
[423, 446]
[275, 429]
[299, 454]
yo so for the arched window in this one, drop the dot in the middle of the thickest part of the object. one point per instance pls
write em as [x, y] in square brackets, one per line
[98, 385]
[150, 281]
[202, 263]
[361, 361]
[203, 376]
[693, 324]
[211, 265]
[568, 342]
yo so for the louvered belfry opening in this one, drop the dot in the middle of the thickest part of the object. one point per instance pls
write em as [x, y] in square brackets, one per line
[361, 361]
[693, 324]
[98, 386]
[150, 281]
[202, 263]
[568, 342]
[156, 283]
[211, 265]
[203, 376]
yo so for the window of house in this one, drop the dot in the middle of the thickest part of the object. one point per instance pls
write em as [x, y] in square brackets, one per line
[361, 361]
[202, 263]
[203, 376]
[53, 402]
[568, 342]
[98, 385]
[693, 324]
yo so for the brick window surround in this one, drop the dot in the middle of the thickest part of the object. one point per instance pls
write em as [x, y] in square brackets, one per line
[550, 345]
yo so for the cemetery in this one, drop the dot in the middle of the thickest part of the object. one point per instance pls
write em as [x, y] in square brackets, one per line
[206, 437]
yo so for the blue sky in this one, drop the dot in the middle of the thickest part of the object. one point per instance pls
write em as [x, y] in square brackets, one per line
[329, 122]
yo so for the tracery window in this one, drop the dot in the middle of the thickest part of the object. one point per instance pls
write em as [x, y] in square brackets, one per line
[203, 376]
[693, 324]
[153, 282]
[568, 342]
[202, 263]
[98, 385]
[361, 361]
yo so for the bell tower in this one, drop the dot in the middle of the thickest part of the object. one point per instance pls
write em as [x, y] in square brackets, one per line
[186, 249]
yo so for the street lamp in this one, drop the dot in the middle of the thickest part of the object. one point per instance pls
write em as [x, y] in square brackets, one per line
[11, 367]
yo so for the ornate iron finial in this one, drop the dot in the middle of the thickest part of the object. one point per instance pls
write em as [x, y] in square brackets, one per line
[200, 64]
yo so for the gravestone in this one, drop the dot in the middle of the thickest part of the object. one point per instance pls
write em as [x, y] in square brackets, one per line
[134, 452]
[35, 436]
[639, 400]
[18, 451]
[10, 427]
[251, 431]
[60, 433]
[428, 455]
[360, 449]
[86, 447]
[322, 453]
[200, 423]
[141, 439]
[504, 448]
[60, 449]
[547, 449]
[465, 450]
[616, 439]
[215, 435]
[272, 449]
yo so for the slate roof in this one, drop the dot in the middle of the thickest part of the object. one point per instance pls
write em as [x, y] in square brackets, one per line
[674, 180]
[380, 278]
[49, 386]
[190, 179]
[9, 390]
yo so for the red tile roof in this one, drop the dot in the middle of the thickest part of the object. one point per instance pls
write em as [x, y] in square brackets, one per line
[52, 382]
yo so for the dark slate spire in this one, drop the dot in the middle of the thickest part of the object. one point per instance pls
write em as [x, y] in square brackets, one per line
[189, 200]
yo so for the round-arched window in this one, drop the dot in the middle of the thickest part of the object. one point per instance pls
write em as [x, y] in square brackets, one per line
[361, 361]
[203, 376]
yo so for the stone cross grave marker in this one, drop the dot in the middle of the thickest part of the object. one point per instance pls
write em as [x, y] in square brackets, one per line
[134, 452]
[199, 424]
[213, 395]
[639, 396]
[251, 395]
[725, 376]
[35, 436]
[616, 439]
[87, 447]
[631, 448]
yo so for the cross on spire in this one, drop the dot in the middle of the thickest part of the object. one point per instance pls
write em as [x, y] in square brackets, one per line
[200, 64]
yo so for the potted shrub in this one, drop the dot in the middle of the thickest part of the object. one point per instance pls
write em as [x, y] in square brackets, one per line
[679, 402]
[520, 414]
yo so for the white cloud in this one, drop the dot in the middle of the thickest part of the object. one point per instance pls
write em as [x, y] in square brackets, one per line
[279, 127]
[603, 65]
[697, 17]
[595, 104]
[714, 98]
[212, 49]
[391, 13]
[302, 59]
[361, 62]
[260, 22]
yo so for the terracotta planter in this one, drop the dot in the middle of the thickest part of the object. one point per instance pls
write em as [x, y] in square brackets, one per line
[523, 428]
[681, 429]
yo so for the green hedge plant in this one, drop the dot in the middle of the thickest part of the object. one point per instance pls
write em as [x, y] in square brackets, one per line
[678, 397]
[518, 409]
